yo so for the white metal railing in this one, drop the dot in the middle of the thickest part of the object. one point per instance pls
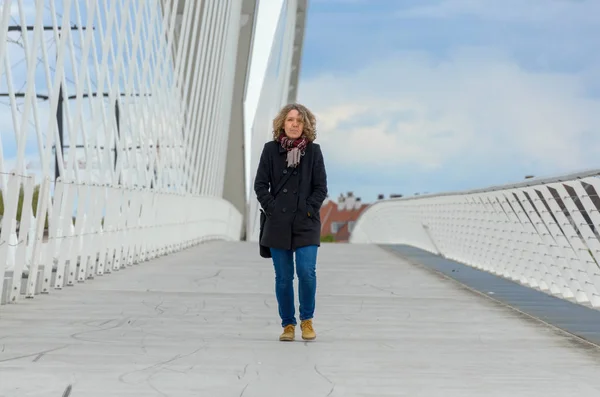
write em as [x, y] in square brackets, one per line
[542, 233]
[114, 228]
[116, 118]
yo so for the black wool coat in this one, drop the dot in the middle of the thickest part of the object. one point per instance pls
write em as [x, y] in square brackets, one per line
[293, 217]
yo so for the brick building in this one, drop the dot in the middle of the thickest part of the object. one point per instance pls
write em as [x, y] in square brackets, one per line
[337, 218]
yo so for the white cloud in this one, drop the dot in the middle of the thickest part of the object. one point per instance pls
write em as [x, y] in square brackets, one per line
[530, 11]
[476, 107]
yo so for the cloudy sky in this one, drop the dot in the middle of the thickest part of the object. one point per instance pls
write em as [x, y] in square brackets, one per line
[436, 95]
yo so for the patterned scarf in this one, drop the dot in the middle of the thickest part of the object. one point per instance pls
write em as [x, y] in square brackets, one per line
[295, 149]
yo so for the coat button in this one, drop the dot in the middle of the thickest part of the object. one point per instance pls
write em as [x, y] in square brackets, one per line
[295, 172]
[285, 171]
[283, 210]
[285, 190]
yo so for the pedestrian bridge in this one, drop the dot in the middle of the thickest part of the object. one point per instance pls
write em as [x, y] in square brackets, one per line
[391, 321]
[128, 257]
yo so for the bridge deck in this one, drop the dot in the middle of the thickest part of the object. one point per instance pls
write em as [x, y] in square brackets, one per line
[203, 322]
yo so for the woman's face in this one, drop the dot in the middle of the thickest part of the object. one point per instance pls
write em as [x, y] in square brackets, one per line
[293, 124]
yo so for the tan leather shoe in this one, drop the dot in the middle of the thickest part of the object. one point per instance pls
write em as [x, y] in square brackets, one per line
[289, 333]
[308, 332]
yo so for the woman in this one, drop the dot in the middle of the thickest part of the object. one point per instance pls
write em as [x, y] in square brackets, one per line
[291, 185]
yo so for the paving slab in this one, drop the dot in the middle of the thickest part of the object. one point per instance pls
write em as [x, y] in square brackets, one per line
[203, 322]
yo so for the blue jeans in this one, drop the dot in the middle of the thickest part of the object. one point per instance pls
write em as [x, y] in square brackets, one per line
[306, 263]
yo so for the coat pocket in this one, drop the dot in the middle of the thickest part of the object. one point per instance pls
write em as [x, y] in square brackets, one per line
[312, 214]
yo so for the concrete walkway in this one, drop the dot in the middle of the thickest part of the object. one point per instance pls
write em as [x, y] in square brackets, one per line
[204, 323]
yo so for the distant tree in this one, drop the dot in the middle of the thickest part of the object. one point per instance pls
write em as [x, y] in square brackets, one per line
[329, 238]
[34, 202]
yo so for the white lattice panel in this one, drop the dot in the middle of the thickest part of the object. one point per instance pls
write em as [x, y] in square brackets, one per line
[545, 235]
[115, 118]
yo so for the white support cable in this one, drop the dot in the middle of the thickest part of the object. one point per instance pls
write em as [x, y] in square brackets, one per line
[154, 116]
[141, 110]
[21, 254]
[214, 159]
[84, 71]
[127, 104]
[170, 139]
[189, 98]
[59, 75]
[182, 83]
[215, 89]
[198, 118]
[76, 122]
[147, 139]
[3, 54]
[164, 122]
[104, 159]
[30, 58]
[225, 108]
[183, 76]
[116, 76]
[95, 106]
[208, 111]
[8, 223]
[169, 20]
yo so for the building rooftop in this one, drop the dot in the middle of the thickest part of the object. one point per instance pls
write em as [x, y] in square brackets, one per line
[338, 217]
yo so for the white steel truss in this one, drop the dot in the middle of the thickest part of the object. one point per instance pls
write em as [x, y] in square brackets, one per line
[544, 234]
[113, 149]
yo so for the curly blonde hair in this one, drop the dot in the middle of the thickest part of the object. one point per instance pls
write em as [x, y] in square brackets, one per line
[309, 129]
